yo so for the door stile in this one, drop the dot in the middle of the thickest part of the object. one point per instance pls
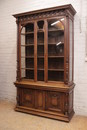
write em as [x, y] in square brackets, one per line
[45, 51]
[35, 51]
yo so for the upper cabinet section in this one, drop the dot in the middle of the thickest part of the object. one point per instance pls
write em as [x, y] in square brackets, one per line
[45, 45]
[64, 10]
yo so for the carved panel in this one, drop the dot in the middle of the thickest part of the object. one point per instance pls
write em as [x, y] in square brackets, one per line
[28, 97]
[40, 99]
[55, 101]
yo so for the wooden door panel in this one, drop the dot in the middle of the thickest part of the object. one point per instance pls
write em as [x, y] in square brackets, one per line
[28, 97]
[40, 99]
[55, 102]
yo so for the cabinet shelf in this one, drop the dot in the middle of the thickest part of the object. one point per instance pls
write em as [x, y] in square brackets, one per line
[27, 56]
[55, 69]
[55, 56]
[28, 68]
[55, 43]
[31, 44]
[41, 69]
[26, 33]
[55, 30]
[40, 44]
[40, 56]
[40, 30]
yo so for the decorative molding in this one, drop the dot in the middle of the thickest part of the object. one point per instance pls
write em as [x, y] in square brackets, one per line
[42, 15]
[67, 70]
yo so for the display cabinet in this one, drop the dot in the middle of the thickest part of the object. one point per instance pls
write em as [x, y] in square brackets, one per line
[45, 58]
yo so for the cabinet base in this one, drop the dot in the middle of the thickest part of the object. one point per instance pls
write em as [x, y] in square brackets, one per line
[46, 114]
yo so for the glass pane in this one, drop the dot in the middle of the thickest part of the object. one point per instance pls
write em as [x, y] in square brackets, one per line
[56, 49]
[40, 51]
[70, 49]
[27, 51]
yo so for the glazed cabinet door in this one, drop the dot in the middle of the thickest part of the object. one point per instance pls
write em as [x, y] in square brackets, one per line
[27, 51]
[56, 44]
[55, 102]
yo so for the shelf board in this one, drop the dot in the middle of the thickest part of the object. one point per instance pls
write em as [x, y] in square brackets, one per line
[55, 43]
[55, 30]
[40, 30]
[26, 33]
[55, 56]
[27, 56]
[28, 68]
[41, 44]
[42, 69]
[28, 45]
[40, 56]
[55, 69]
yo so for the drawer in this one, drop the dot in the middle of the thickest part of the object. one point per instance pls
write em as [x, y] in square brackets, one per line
[55, 102]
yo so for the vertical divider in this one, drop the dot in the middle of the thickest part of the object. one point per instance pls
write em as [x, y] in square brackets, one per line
[19, 47]
[35, 51]
[45, 51]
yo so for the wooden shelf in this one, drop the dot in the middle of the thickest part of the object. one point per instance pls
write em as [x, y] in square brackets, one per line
[28, 68]
[55, 43]
[27, 56]
[31, 44]
[55, 56]
[41, 69]
[40, 30]
[40, 44]
[26, 33]
[55, 30]
[40, 56]
[55, 69]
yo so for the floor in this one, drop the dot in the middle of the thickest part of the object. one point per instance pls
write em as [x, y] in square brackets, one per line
[11, 120]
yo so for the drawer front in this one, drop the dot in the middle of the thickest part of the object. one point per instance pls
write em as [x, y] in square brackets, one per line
[28, 98]
[40, 99]
[55, 102]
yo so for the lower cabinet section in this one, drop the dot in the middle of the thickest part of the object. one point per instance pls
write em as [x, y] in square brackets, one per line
[52, 104]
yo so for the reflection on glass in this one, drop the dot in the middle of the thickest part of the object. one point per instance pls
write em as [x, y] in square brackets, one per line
[56, 49]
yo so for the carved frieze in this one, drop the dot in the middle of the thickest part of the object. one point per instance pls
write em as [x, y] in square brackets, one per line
[42, 15]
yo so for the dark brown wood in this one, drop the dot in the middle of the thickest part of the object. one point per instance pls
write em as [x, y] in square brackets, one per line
[45, 51]
[45, 89]
[69, 6]
[35, 51]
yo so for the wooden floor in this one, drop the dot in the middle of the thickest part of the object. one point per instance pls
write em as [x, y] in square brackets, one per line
[11, 120]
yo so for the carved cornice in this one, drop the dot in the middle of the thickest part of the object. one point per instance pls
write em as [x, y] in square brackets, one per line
[43, 15]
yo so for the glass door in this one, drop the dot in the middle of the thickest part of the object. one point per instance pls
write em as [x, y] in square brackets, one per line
[40, 51]
[27, 51]
[56, 49]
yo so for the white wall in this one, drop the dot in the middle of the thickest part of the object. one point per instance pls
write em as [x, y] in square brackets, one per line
[8, 46]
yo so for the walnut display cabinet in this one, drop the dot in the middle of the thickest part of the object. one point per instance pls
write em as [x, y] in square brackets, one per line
[45, 58]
